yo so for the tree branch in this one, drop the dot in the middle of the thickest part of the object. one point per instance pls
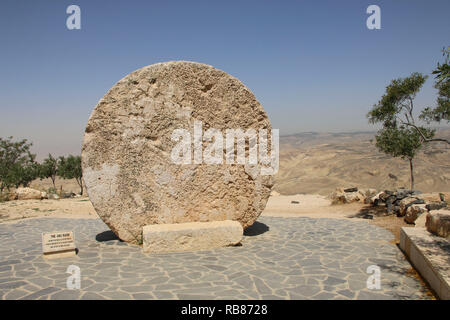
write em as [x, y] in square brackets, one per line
[425, 139]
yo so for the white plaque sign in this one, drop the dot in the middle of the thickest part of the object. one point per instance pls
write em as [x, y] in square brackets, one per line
[58, 243]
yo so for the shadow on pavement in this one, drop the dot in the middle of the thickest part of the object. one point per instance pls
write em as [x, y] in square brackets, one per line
[256, 229]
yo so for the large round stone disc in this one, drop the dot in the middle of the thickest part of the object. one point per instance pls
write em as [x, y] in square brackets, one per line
[128, 170]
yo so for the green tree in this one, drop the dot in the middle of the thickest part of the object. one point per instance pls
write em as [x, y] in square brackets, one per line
[70, 168]
[400, 142]
[49, 169]
[400, 136]
[442, 83]
[17, 163]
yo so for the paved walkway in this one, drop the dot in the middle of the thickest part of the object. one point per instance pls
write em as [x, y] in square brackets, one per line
[280, 258]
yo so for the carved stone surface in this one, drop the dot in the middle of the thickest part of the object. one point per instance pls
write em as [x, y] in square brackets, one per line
[130, 176]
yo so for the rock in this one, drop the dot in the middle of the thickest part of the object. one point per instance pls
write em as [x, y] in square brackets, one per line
[274, 193]
[374, 200]
[128, 150]
[430, 197]
[341, 197]
[392, 176]
[295, 202]
[337, 196]
[413, 212]
[353, 197]
[402, 193]
[421, 220]
[391, 199]
[384, 195]
[396, 210]
[438, 222]
[53, 196]
[44, 195]
[68, 195]
[436, 205]
[368, 194]
[191, 236]
[407, 202]
[27, 194]
[354, 189]
[389, 207]
[12, 195]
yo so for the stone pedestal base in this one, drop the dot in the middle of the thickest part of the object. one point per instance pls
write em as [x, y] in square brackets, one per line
[429, 255]
[191, 236]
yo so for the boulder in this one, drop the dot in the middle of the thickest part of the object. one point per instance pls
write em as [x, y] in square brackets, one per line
[370, 192]
[407, 202]
[432, 197]
[436, 205]
[413, 212]
[402, 193]
[68, 195]
[53, 196]
[438, 223]
[341, 197]
[12, 195]
[375, 199]
[139, 157]
[384, 195]
[28, 194]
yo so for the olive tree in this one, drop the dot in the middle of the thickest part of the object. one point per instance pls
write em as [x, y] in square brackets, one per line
[49, 169]
[17, 163]
[400, 135]
[70, 168]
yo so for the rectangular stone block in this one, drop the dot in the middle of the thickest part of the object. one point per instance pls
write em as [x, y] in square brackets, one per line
[438, 222]
[191, 236]
[429, 256]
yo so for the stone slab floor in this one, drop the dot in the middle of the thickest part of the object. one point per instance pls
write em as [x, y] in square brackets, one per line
[280, 258]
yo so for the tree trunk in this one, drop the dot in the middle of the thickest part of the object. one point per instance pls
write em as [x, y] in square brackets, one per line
[80, 183]
[412, 173]
[53, 181]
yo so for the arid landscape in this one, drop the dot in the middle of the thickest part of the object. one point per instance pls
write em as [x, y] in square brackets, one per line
[317, 163]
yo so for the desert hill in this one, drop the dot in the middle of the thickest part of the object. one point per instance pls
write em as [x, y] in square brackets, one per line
[319, 162]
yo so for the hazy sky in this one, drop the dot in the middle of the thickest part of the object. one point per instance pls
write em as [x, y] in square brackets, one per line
[313, 65]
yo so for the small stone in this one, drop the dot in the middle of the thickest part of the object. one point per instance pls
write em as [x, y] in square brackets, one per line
[413, 212]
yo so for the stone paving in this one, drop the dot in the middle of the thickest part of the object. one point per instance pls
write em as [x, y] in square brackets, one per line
[280, 258]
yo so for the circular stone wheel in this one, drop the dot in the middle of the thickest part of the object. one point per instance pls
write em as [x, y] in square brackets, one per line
[130, 176]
